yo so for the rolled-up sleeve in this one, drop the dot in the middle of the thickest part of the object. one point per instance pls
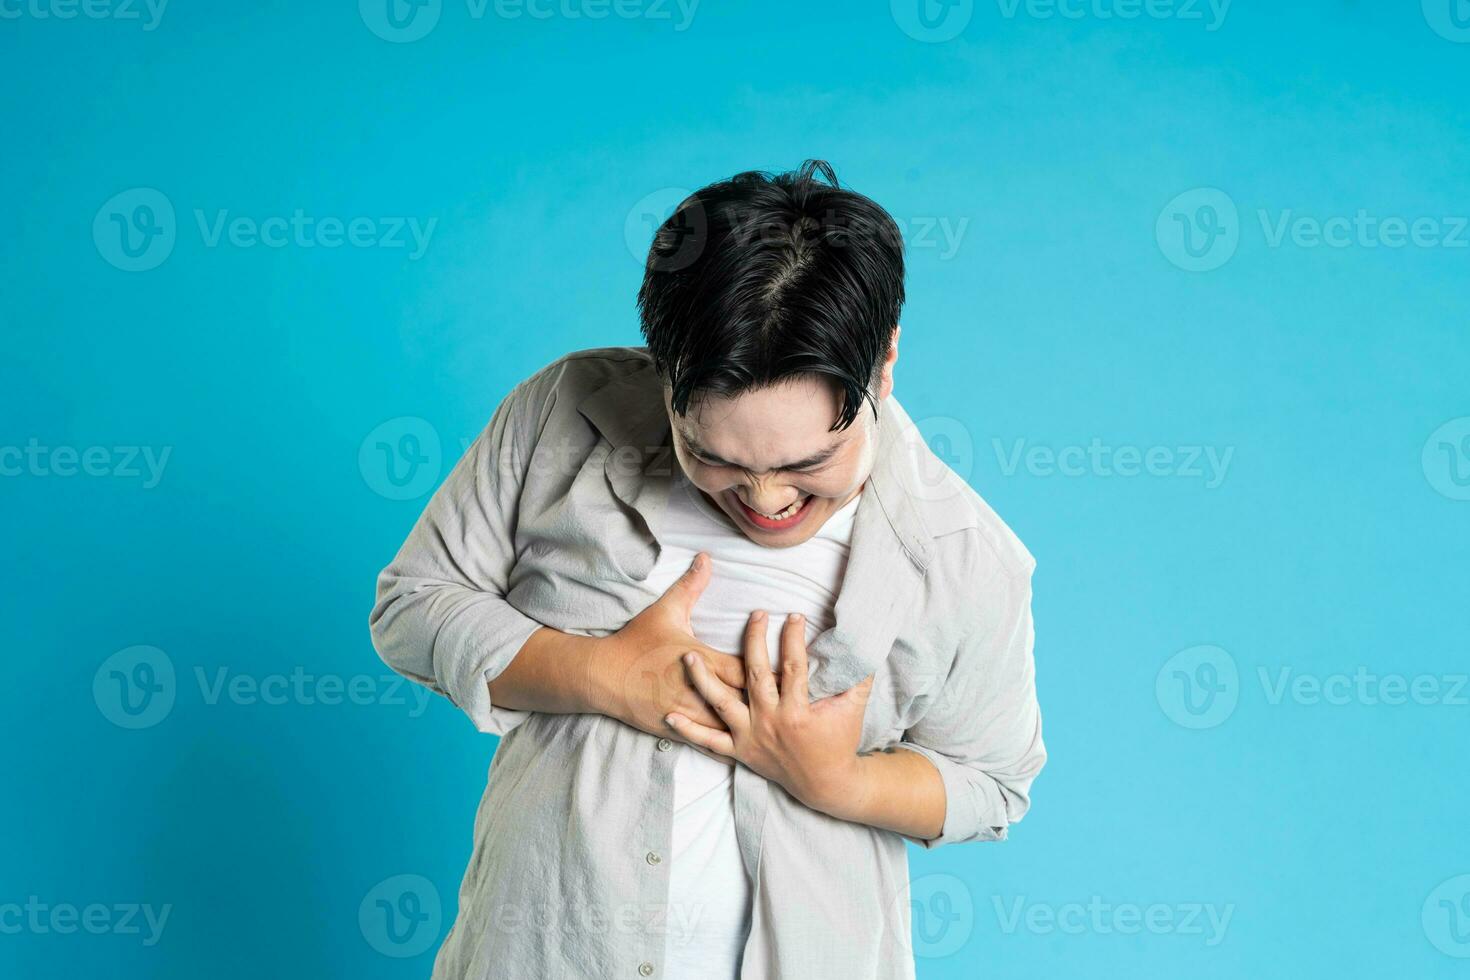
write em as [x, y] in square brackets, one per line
[441, 617]
[983, 731]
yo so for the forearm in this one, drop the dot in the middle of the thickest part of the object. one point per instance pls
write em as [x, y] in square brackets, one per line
[552, 673]
[896, 790]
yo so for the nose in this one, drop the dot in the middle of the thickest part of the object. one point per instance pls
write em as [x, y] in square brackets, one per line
[769, 498]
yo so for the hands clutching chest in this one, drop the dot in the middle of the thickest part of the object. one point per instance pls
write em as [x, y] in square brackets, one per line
[657, 677]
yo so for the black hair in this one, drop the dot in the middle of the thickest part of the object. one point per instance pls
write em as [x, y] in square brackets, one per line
[765, 277]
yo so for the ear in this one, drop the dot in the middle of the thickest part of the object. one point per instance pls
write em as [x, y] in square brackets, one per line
[885, 371]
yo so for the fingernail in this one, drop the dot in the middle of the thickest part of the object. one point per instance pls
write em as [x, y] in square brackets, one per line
[759, 615]
[669, 719]
[700, 560]
[689, 658]
[794, 617]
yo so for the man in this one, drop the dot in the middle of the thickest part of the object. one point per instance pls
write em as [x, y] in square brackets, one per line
[742, 633]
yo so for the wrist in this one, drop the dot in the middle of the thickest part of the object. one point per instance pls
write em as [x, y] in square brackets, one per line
[603, 672]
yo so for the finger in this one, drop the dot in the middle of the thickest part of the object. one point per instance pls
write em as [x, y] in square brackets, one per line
[760, 682]
[702, 736]
[793, 662]
[687, 588]
[728, 667]
[724, 699]
[701, 714]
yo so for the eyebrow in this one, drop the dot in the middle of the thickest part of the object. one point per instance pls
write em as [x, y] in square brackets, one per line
[816, 459]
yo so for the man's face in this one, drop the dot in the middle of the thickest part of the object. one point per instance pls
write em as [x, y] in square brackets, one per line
[769, 459]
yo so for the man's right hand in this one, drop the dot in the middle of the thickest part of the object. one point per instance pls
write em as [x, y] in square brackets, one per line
[639, 676]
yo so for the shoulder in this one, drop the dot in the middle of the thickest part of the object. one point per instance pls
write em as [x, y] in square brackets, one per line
[579, 374]
[976, 536]
[555, 392]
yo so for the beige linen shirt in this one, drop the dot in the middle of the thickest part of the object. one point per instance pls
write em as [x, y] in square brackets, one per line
[552, 518]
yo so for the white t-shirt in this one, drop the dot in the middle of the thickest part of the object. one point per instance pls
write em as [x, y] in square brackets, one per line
[709, 890]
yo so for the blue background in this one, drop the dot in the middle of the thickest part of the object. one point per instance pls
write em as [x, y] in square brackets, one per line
[1336, 540]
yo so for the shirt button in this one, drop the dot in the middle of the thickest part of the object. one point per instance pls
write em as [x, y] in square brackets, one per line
[652, 858]
[645, 969]
[664, 745]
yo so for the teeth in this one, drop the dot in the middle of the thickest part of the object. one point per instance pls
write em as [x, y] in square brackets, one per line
[788, 512]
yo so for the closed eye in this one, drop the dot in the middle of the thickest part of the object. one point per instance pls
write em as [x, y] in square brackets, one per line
[816, 467]
[809, 465]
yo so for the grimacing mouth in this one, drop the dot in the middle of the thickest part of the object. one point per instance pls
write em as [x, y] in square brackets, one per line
[789, 511]
[785, 519]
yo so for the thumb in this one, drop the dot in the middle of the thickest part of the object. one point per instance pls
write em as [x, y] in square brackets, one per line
[687, 588]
